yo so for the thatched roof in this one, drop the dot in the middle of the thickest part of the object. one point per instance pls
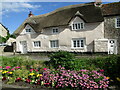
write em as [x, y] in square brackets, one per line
[111, 9]
[62, 16]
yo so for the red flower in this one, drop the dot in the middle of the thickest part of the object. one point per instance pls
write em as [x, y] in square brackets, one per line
[31, 70]
[4, 78]
[0, 66]
[101, 70]
[18, 79]
[36, 70]
[28, 80]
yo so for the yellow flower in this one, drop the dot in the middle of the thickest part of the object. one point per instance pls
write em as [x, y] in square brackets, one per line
[31, 74]
[107, 77]
[39, 75]
[4, 72]
[10, 72]
[118, 79]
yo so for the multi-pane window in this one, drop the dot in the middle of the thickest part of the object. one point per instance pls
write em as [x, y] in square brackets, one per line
[28, 30]
[55, 30]
[36, 44]
[54, 43]
[117, 22]
[77, 26]
[78, 43]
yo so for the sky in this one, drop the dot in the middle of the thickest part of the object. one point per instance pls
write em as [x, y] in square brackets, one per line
[14, 12]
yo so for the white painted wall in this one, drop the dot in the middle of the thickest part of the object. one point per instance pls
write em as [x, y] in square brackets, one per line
[91, 32]
[27, 27]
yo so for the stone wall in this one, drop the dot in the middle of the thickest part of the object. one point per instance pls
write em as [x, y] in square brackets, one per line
[111, 32]
[101, 45]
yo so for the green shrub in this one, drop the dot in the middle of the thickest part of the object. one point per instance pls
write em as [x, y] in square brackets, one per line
[84, 63]
[110, 64]
[62, 58]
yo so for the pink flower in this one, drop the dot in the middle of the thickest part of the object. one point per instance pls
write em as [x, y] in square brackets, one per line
[17, 67]
[31, 70]
[13, 69]
[7, 67]
[0, 66]
[44, 68]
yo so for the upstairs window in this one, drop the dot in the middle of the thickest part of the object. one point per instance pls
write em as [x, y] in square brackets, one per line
[55, 30]
[36, 44]
[54, 43]
[77, 25]
[78, 43]
[118, 22]
[28, 30]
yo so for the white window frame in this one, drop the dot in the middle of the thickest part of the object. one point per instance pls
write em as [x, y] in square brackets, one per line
[54, 43]
[78, 43]
[36, 44]
[117, 19]
[55, 30]
[28, 30]
[77, 25]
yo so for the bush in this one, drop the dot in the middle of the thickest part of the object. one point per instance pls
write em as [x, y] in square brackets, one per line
[62, 58]
[110, 64]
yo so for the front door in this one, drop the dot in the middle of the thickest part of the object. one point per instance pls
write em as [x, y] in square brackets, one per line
[23, 47]
[112, 46]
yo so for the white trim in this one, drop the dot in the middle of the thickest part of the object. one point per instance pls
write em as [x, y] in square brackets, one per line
[115, 41]
[55, 32]
[55, 45]
[116, 22]
[36, 46]
[74, 28]
[72, 44]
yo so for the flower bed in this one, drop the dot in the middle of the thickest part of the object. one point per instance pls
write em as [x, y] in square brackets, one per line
[59, 78]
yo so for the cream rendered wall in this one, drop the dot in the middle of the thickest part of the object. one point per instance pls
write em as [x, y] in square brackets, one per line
[3, 31]
[91, 32]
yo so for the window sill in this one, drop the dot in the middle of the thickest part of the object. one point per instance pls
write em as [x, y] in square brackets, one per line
[77, 29]
[117, 27]
[36, 47]
[77, 48]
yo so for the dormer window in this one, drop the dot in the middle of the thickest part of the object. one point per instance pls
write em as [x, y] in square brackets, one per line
[55, 30]
[28, 30]
[117, 22]
[77, 25]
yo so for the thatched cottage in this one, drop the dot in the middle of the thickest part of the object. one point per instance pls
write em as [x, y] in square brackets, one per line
[74, 28]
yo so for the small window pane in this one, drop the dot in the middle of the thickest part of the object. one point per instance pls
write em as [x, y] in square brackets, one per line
[81, 25]
[55, 30]
[36, 43]
[73, 26]
[54, 43]
[28, 30]
[78, 25]
[118, 22]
